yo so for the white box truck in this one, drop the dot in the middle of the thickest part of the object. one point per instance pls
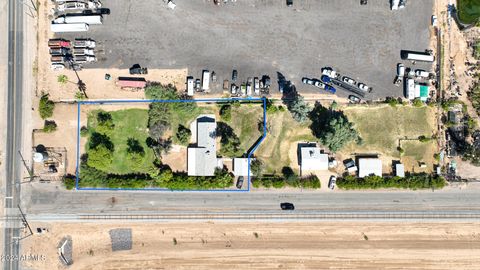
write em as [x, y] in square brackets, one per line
[190, 87]
[68, 27]
[89, 19]
[206, 80]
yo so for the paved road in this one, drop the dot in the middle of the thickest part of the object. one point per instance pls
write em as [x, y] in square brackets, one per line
[46, 202]
[14, 124]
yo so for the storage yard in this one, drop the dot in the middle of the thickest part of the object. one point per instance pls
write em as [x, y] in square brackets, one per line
[198, 35]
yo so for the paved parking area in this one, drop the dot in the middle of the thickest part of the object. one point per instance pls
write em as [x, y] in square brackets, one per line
[266, 37]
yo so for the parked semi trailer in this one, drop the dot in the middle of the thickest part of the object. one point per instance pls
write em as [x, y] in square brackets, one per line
[206, 80]
[68, 27]
[89, 19]
[417, 56]
[58, 43]
[83, 51]
[84, 43]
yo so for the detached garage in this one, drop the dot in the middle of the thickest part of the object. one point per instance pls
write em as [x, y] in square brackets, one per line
[369, 166]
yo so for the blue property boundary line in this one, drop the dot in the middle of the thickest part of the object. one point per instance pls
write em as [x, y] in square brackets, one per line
[216, 100]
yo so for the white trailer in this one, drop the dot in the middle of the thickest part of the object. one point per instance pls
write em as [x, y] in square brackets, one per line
[423, 57]
[84, 43]
[394, 4]
[83, 51]
[89, 19]
[190, 87]
[68, 27]
[66, 6]
[206, 80]
[410, 89]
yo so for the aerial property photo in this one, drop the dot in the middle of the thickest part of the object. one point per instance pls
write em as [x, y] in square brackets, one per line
[214, 134]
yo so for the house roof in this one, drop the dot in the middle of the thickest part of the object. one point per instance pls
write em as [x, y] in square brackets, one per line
[312, 159]
[202, 159]
[369, 166]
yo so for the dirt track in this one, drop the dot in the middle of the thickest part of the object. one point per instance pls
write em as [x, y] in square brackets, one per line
[265, 246]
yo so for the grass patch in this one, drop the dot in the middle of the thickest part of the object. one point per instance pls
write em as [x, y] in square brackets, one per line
[244, 122]
[416, 149]
[130, 123]
[283, 133]
[381, 127]
[468, 11]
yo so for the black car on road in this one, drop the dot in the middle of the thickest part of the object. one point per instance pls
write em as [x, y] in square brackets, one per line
[287, 206]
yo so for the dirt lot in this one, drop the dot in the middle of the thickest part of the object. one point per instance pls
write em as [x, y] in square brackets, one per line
[313, 245]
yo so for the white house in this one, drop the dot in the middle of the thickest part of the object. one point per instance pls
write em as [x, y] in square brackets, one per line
[202, 159]
[311, 159]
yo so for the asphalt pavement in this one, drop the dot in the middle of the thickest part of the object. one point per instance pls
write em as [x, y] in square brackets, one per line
[14, 130]
[47, 201]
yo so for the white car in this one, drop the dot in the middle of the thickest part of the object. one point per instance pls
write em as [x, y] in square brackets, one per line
[434, 20]
[307, 81]
[422, 73]
[319, 84]
[363, 87]
[400, 70]
[329, 72]
[349, 80]
[57, 66]
[333, 182]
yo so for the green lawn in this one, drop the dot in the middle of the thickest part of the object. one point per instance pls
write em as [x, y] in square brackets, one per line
[468, 10]
[130, 123]
[380, 127]
[416, 149]
[244, 122]
[283, 134]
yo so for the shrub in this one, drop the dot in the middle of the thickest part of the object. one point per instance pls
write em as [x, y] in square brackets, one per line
[80, 95]
[83, 131]
[414, 181]
[46, 107]
[424, 138]
[63, 79]
[226, 112]
[183, 135]
[49, 126]
[417, 102]
[104, 122]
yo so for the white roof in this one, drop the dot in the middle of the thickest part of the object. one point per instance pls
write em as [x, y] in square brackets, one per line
[240, 167]
[400, 170]
[369, 166]
[312, 159]
[202, 160]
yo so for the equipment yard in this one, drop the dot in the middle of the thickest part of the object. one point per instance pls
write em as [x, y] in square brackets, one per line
[364, 45]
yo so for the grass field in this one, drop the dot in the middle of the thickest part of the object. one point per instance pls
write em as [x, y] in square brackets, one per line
[279, 147]
[244, 122]
[468, 10]
[130, 123]
[133, 123]
[380, 127]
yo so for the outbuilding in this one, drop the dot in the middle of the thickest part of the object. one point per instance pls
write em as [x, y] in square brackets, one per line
[369, 166]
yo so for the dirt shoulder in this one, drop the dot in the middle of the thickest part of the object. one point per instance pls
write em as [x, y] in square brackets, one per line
[312, 245]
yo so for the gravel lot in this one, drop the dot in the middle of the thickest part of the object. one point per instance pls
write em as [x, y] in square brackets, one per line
[265, 37]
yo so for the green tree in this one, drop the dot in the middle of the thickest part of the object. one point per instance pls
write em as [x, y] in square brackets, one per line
[339, 133]
[46, 107]
[100, 157]
[104, 122]
[332, 127]
[49, 126]
[256, 167]
[298, 108]
[228, 139]
[417, 102]
[183, 134]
